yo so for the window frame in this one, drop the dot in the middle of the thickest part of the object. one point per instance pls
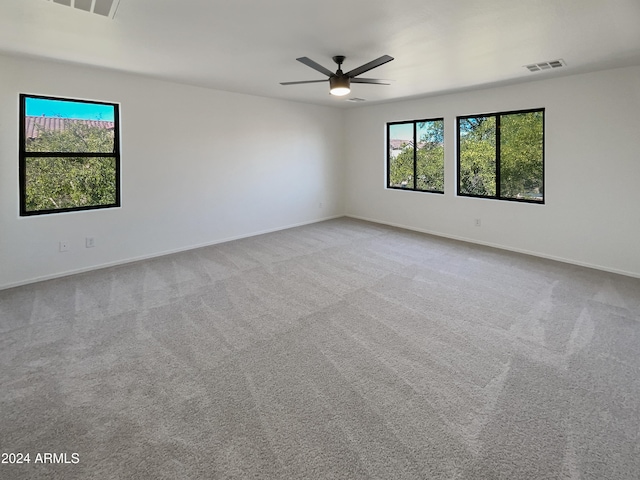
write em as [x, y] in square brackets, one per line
[415, 154]
[24, 154]
[498, 116]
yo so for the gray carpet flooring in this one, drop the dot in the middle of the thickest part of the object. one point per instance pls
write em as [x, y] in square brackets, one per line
[338, 350]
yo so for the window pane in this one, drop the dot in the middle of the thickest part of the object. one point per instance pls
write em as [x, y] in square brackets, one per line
[60, 183]
[68, 126]
[521, 158]
[477, 137]
[430, 155]
[401, 155]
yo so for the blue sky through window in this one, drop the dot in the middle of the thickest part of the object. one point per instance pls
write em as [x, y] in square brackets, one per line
[402, 131]
[37, 107]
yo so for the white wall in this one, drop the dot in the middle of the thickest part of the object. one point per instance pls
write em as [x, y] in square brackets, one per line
[592, 185]
[198, 167]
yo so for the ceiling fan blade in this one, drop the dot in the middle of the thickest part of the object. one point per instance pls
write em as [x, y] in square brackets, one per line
[368, 66]
[303, 81]
[316, 66]
[373, 81]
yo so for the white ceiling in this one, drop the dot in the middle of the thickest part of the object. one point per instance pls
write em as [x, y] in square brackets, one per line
[250, 46]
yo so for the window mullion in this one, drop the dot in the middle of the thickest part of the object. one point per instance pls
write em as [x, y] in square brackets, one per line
[388, 155]
[498, 141]
[415, 156]
[69, 154]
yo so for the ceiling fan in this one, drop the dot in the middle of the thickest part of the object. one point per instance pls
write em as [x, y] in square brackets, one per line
[339, 82]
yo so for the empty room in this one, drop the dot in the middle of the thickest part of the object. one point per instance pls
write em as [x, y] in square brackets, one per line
[312, 240]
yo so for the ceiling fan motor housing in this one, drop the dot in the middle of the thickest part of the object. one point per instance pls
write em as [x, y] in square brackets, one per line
[339, 80]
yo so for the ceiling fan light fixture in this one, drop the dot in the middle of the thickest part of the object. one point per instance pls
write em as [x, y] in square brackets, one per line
[339, 85]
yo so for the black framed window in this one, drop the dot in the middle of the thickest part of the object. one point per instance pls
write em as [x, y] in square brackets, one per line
[415, 155]
[501, 155]
[69, 155]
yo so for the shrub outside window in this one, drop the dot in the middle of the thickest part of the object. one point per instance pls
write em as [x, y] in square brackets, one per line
[69, 155]
[415, 155]
[501, 156]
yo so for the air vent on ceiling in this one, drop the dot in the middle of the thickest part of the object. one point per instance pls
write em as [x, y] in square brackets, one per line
[356, 99]
[536, 67]
[106, 8]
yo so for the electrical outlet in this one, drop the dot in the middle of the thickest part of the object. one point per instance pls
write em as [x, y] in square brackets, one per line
[89, 242]
[478, 223]
[64, 246]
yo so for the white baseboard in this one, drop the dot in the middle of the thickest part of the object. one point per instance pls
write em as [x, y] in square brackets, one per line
[124, 261]
[501, 247]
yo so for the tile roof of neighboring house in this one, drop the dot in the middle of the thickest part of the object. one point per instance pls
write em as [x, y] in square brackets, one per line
[397, 144]
[34, 124]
